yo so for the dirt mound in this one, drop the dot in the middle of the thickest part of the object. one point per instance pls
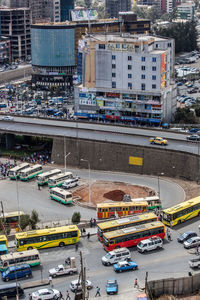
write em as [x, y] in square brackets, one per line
[116, 195]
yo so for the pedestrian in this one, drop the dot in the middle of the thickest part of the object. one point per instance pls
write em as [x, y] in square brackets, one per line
[68, 296]
[38, 186]
[94, 222]
[50, 280]
[98, 292]
[197, 250]
[76, 246]
[88, 235]
[61, 296]
[91, 222]
[136, 283]
[84, 231]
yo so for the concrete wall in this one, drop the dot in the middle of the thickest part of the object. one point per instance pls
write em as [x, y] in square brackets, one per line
[115, 157]
[174, 286]
[15, 74]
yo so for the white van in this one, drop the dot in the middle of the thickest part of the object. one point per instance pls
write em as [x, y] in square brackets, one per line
[70, 183]
[150, 244]
[116, 255]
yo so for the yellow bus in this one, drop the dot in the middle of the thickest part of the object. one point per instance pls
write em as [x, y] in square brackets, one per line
[3, 240]
[31, 257]
[181, 212]
[46, 238]
[124, 223]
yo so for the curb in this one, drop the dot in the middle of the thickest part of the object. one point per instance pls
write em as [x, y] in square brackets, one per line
[32, 284]
[83, 205]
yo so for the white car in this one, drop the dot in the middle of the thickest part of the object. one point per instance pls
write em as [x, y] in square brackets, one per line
[8, 118]
[74, 285]
[192, 242]
[45, 294]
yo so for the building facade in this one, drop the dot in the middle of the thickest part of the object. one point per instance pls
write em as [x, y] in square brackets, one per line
[113, 7]
[15, 25]
[127, 78]
[5, 50]
[54, 65]
[186, 11]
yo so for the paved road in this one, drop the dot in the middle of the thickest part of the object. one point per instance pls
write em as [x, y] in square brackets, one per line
[100, 132]
[30, 197]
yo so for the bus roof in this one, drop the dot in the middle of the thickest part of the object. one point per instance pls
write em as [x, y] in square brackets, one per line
[49, 172]
[182, 205]
[3, 247]
[121, 221]
[16, 168]
[124, 231]
[19, 254]
[60, 175]
[3, 237]
[12, 214]
[117, 204]
[59, 190]
[146, 199]
[45, 231]
[31, 168]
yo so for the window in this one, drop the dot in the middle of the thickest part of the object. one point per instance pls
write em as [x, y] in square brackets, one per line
[153, 59]
[113, 57]
[143, 87]
[129, 75]
[113, 84]
[129, 67]
[113, 74]
[129, 58]
[169, 44]
[156, 45]
[143, 58]
[142, 76]
[153, 68]
[153, 77]
[143, 68]
[102, 46]
[129, 85]
[153, 86]
[113, 66]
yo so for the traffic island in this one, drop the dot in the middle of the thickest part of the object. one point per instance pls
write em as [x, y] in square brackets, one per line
[37, 283]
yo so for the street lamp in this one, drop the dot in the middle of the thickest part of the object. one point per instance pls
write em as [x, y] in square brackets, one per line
[89, 178]
[66, 159]
[159, 184]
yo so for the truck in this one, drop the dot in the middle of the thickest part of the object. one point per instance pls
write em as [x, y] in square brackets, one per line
[62, 270]
[194, 263]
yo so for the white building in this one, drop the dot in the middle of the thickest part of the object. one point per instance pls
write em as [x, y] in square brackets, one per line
[127, 77]
[186, 11]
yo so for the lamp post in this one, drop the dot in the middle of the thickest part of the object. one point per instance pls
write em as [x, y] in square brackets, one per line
[17, 193]
[89, 178]
[66, 159]
[159, 183]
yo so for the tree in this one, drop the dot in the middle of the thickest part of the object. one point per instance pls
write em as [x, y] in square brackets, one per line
[184, 115]
[24, 221]
[34, 219]
[88, 3]
[153, 14]
[76, 217]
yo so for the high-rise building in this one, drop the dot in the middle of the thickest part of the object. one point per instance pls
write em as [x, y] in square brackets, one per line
[127, 77]
[113, 7]
[65, 6]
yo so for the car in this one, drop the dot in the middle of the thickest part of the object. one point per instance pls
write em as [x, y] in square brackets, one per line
[185, 236]
[75, 286]
[122, 266]
[112, 286]
[8, 118]
[192, 242]
[158, 140]
[194, 130]
[193, 137]
[150, 244]
[45, 294]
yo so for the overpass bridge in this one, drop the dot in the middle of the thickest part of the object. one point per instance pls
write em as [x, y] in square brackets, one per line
[109, 147]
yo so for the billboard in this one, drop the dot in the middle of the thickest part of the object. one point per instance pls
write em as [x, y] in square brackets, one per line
[162, 71]
[83, 14]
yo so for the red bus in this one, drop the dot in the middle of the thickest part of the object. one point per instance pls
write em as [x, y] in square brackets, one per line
[120, 209]
[124, 223]
[131, 236]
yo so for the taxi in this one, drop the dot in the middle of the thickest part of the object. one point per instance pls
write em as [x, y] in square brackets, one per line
[158, 141]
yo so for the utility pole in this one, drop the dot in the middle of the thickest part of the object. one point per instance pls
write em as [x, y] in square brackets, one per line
[146, 278]
[82, 276]
[2, 210]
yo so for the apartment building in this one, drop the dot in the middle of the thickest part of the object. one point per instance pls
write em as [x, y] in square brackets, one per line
[127, 77]
[186, 11]
[113, 7]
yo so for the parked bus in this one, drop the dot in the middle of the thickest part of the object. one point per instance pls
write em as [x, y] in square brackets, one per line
[129, 237]
[11, 218]
[45, 238]
[124, 223]
[14, 172]
[43, 178]
[61, 195]
[153, 202]
[31, 257]
[3, 250]
[119, 209]
[3, 245]
[30, 173]
[181, 212]
[59, 179]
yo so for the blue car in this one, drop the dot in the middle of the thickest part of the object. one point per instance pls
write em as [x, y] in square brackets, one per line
[112, 286]
[122, 266]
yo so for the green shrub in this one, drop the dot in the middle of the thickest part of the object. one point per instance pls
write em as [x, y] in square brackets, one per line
[76, 217]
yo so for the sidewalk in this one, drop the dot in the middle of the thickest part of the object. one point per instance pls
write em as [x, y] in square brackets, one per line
[130, 294]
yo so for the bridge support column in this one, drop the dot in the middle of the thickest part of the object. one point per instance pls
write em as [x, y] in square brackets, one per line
[10, 141]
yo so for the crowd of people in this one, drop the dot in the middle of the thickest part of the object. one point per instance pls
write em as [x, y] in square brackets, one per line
[42, 158]
[5, 167]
